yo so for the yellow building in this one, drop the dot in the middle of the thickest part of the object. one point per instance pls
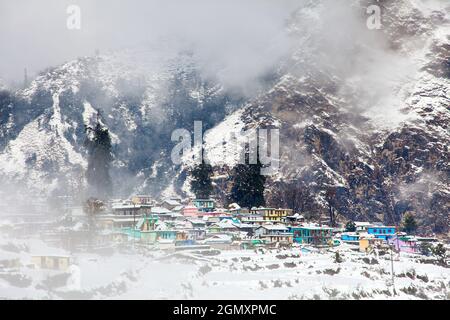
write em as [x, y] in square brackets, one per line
[272, 214]
[54, 262]
[142, 199]
[366, 244]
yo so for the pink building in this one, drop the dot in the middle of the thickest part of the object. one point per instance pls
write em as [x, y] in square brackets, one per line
[190, 211]
[404, 244]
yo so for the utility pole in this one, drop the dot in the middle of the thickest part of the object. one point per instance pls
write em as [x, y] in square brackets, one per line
[392, 271]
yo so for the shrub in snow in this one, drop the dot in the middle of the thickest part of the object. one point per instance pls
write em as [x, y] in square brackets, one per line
[424, 278]
[289, 264]
[204, 270]
[371, 261]
[332, 272]
[338, 258]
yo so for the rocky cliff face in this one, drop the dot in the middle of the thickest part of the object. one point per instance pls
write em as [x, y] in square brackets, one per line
[363, 117]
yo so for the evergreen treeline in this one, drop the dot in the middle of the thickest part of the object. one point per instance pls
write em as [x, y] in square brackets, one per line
[247, 183]
[98, 145]
[201, 184]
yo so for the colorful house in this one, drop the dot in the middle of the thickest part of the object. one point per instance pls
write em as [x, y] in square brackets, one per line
[223, 226]
[142, 199]
[50, 261]
[146, 229]
[350, 237]
[270, 229]
[283, 238]
[381, 232]
[204, 205]
[367, 243]
[312, 234]
[125, 209]
[404, 244]
[274, 234]
[166, 235]
[272, 214]
[171, 204]
[190, 211]
[361, 226]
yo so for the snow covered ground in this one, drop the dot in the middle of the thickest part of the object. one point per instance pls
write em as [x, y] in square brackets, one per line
[139, 273]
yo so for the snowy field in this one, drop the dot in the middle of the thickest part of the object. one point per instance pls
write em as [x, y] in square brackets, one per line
[244, 274]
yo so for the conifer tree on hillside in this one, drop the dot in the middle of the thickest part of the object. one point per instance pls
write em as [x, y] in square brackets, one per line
[248, 184]
[350, 226]
[409, 223]
[201, 184]
[99, 148]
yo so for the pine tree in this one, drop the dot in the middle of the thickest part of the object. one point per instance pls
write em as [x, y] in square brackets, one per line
[99, 148]
[350, 226]
[201, 184]
[248, 185]
[409, 223]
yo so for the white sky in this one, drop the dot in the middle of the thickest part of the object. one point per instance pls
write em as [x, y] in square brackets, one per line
[235, 33]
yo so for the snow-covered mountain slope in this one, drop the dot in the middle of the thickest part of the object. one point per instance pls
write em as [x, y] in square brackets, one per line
[141, 102]
[369, 140]
[363, 116]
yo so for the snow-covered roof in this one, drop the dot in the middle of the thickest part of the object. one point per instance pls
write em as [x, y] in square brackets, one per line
[161, 226]
[315, 227]
[245, 225]
[160, 210]
[362, 223]
[196, 221]
[125, 206]
[234, 206]
[172, 202]
[219, 237]
[350, 234]
[175, 214]
[274, 227]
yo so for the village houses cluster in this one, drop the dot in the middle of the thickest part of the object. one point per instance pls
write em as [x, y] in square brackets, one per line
[198, 223]
[194, 224]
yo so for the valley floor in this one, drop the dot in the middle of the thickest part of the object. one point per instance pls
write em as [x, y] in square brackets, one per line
[137, 273]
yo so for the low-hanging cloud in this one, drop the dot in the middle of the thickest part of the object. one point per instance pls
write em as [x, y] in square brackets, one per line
[235, 41]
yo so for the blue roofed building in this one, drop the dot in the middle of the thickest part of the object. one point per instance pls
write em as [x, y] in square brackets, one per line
[382, 232]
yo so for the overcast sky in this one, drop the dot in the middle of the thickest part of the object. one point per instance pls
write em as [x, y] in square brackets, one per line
[34, 33]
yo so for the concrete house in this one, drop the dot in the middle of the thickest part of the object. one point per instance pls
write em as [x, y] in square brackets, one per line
[272, 214]
[312, 234]
[51, 261]
[204, 205]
